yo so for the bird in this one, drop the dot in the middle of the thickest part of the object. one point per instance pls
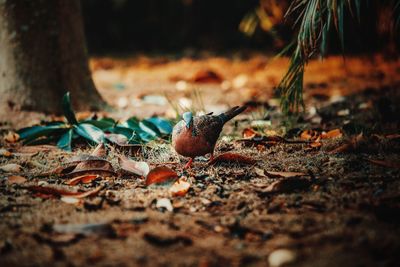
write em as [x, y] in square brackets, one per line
[195, 136]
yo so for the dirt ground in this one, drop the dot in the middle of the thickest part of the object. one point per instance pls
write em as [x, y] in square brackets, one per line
[334, 201]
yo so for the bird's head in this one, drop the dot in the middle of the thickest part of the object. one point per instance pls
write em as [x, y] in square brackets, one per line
[188, 119]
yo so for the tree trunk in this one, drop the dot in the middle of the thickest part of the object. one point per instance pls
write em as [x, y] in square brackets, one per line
[43, 55]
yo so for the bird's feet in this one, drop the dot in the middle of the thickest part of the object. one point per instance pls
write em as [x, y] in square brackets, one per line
[189, 164]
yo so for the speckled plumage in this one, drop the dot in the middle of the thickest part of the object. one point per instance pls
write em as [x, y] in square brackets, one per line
[200, 138]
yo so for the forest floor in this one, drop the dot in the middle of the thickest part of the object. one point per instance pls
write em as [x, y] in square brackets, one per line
[331, 199]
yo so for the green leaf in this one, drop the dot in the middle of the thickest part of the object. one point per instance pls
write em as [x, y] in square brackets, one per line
[149, 128]
[127, 132]
[89, 132]
[163, 125]
[102, 124]
[133, 124]
[31, 133]
[68, 112]
[66, 140]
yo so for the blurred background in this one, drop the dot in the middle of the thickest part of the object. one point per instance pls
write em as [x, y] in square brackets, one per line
[122, 26]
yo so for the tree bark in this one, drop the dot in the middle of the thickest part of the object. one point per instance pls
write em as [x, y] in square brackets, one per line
[43, 55]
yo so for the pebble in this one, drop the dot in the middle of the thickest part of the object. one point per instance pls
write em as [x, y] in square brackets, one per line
[164, 203]
[281, 257]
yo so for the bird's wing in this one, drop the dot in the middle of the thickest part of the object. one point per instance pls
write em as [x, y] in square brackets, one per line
[210, 127]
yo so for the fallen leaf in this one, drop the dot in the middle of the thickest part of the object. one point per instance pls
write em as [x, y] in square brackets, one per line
[160, 175]
[11, 137]
[62, 192]
[232, 157]
[336, 133]
[309, 135]
[288, 185]
[259, 172]
[136, 167]
[207, 76]
[249, 133]
[284, 174]
[100, 151]
[5, 153]
[350, 145]
[16, 179]
[180, 187]
[118, 139]
[385, 163]
[29, 151]
[393, 136]
[164, 203]
[11, 167]
[84, 179]
[100, 172]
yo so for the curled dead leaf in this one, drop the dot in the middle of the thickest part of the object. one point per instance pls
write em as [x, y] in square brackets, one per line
[5, 153]
[84, 179]
[284, 174]
[11, 167]
[385, 163]
[11, 137]
[288, 185]
[99, 151]
[16, 179]
[62, 192]
[232, 158]
[207, 76]
[161, 175]
[180, 187]
[336, 133]
[136, 167]
[249, 133]
[309, 135]
[350, 145]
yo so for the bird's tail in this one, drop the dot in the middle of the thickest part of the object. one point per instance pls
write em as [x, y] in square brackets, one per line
[233, 112]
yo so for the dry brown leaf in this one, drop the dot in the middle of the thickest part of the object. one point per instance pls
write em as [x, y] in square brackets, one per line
[352, 144]
[336, 133]
[100, 151]
[284, 174]
[207, 76]
[248, 133]
[309, 135]
[11, 137]
[232, 158]
[385, 163]
[393, 136]
[288, 185]
[136, 167]
[84, 179]
[16, 179]
[180, 187]
[62, 192]
[161, 175]
[11, 167]
[5, 153]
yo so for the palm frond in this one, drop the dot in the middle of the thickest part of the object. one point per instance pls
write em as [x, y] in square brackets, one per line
[314, 21]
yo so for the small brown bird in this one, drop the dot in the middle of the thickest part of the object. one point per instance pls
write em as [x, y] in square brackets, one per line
[197, 136]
